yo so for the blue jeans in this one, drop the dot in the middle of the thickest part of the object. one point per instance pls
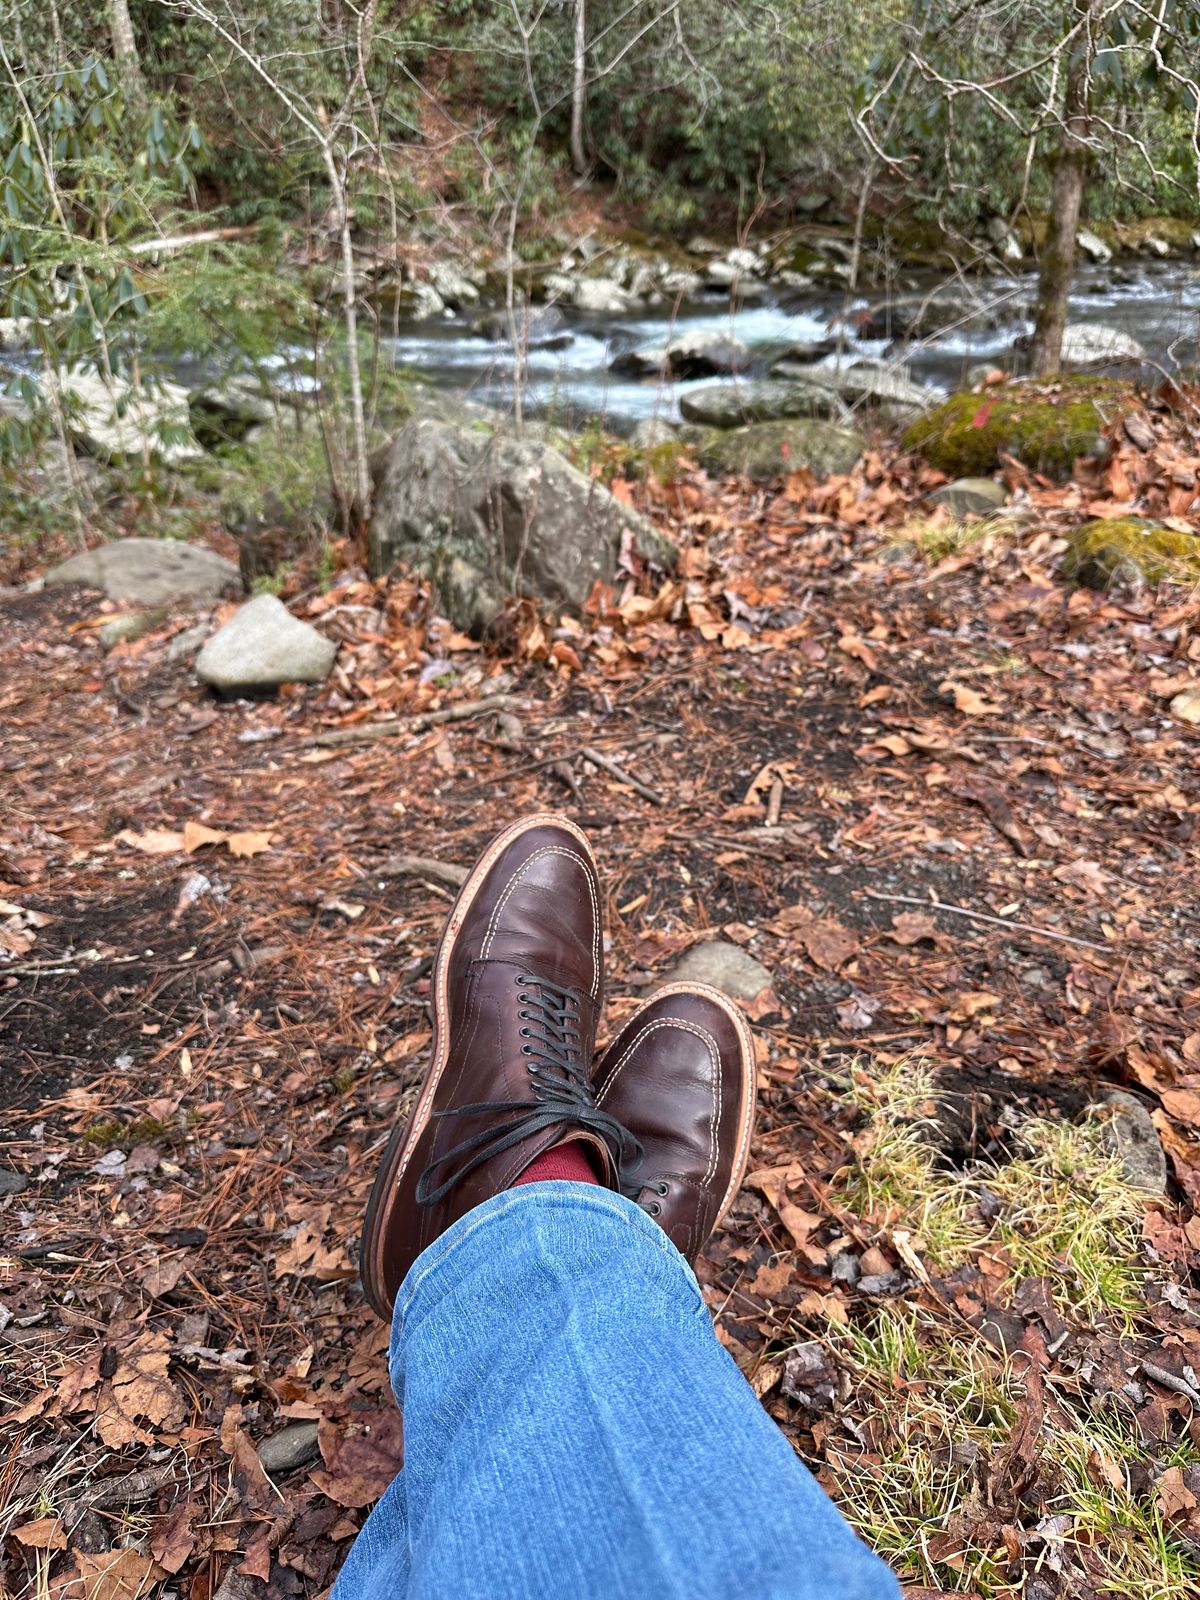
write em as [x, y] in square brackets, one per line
[573, 1428]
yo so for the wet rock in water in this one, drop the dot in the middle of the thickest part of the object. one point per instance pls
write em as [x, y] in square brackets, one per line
[722, 966]
[1092, 245]
[702, 353]
[971, 497]
[150, 571]
[922, 316]
[731, 405]
[545, 328]
[1130, 1135]
[292, 1447]
[803, 354]
[262, 646]
[487, 517]
[115, 420]
[1130, 550]
[769, 450]
[1005, 240]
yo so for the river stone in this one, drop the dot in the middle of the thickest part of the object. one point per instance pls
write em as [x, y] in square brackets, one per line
[1092, 245]
[769, 450]
[971, 497]
[722, 966]
[1130, 1134]
[699, 354]
[1090, 344]
[117, 419]
[226, 411]
[290, 1448]
[543, 329]
[652, 431]
[601, 297]
[487, 517]
[452, 285]
[150, 571]
[730, 405]
[261, 646]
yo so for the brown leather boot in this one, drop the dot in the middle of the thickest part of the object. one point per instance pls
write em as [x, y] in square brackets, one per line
[680, 1076]
[517, 988]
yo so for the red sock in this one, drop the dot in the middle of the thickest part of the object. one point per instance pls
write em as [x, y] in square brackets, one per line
[567, 1162]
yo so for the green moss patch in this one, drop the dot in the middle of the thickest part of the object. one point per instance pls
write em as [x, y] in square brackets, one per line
[1045, 427]
[1112, 548]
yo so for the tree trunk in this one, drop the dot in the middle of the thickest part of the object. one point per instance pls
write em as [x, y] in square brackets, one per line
[125, 49]
[1071, 162]
[579, 158]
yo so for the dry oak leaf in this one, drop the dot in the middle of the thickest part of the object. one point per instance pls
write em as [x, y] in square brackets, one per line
[1183, 1105]
[121, 1574]
[829, 945]
[910, 927]
[140, 1393]
[174, 1541]
[969, 701]
[361, 1456]
[154, 842]
[44, 1534]
[1174, 1497]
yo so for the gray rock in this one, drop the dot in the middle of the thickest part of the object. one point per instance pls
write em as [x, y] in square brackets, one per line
[803, 354]
[452, 285]
[132, 625]
[680, 284]
[808, 392]
[189, 641]
[770, 450]
[119, 419]
[543, 329]
[1130, 1135]
[1091, 344]
[701, 245]
[599, 296]
[12, 1182]
[652, 431]
[971, 497]
[809, 204]
[722, 966]
[261, 646]
[150, 571]
[292, 1447]
[487, 517]
[1092, 245]
[922, 316]
[221, 412]
[1005, 240]
[1157, 247]
[699, 354]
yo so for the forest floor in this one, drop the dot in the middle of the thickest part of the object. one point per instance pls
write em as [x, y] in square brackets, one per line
[938, 793]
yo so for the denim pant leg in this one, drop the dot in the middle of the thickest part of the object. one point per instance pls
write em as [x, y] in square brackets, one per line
[573, 1428]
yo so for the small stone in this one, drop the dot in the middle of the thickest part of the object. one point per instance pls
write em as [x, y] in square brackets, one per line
[12, 1182]
[722, 966]
[1130, 1135]
[1092, 245]
[262, 646]
[189, 641]
[292, 1447]
[150, 571]
[971, 497]
[1186, 705]
[600, 297]
[132, 625]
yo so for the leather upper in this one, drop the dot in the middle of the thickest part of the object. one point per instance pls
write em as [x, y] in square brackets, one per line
[680, 1076]
[532, 912]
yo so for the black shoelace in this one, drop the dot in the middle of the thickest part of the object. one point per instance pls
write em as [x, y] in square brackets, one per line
[560, 1094]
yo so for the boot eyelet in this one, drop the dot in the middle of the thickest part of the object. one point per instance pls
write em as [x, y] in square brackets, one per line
[654, 1208]
[663, 1189]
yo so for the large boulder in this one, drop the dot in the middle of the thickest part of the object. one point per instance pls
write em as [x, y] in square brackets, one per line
[968, 435]
[1093, 344]
[487, 517]
[798, 391]
[262, 646]
[224, 412]
[773, 449]
[114, 419]
[1111, 550]
[151, 571]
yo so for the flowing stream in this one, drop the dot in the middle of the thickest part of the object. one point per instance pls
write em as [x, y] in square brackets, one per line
[1158, 304]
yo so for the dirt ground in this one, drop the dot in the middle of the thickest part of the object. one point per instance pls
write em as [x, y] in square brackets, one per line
[941, 798]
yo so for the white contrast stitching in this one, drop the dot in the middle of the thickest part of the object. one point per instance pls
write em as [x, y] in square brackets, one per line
[570, 855]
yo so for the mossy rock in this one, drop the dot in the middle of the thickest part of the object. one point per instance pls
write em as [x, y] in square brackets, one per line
[769, 450]
[1046, 428]
[1115, 548]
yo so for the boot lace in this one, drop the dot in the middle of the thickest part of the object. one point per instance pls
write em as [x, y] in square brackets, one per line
[560, 1094]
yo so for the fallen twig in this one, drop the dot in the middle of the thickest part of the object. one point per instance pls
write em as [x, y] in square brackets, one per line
[402, 866]
[984, 916]
[366, 732]
[599, 759]
[1170, 1381]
